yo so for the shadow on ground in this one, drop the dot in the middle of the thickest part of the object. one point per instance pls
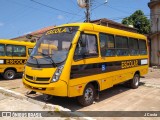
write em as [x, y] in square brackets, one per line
[72, 104]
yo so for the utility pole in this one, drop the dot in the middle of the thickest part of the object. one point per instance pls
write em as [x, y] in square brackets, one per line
[87, 10]
[87, 4]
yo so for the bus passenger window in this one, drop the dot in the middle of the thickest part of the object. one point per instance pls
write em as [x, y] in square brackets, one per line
[89, 50]
[107, 45]
[19, 51]
[122, 46]
[9, 50]
[110, 46]
[133, 46]
[103, 40]
[142, 47]
[2, 50]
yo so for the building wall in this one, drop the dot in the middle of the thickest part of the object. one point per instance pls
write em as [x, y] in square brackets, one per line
[155, 31]
[155, 19]
[155, 46]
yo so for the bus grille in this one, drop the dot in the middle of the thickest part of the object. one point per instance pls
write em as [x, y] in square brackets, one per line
[37, 78]
[29, 77]
[42, 79]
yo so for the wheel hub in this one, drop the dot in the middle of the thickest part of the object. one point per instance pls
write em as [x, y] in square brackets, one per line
[10, 75]
[88, 94]
[136, 80]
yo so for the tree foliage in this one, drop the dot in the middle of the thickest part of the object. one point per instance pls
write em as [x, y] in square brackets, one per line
[139, 21]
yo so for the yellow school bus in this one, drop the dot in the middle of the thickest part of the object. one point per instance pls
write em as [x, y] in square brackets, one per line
[13, 56]
[88, 58]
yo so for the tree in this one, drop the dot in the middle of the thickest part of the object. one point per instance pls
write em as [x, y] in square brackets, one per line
[139, 21]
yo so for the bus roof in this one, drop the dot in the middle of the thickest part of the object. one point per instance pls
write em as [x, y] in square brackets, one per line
[7, 41]
[104, 29]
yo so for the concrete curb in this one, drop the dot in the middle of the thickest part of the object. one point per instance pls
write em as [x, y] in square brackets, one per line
[53, 108]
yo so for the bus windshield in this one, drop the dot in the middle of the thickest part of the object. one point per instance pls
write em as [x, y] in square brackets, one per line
[53, 47]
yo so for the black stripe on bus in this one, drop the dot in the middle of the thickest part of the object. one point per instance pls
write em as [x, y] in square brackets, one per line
[78, 71]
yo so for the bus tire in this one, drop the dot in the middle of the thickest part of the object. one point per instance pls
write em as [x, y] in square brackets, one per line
[9, 74]
[134, 83]
[88, 96]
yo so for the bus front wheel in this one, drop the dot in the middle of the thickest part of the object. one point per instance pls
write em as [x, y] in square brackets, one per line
[88, 96]
[9, 74]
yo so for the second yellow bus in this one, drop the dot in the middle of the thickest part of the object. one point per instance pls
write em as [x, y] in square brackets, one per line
[13, 57]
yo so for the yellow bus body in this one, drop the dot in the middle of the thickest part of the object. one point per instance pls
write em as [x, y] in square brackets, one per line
[14, 62]
[72, 87]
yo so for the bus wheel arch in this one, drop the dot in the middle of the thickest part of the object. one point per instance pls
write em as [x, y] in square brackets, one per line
[96, 86]
[90, 92]
[137, 72]
[9, 73]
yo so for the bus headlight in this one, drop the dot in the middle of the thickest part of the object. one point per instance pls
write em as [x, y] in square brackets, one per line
[57, 73]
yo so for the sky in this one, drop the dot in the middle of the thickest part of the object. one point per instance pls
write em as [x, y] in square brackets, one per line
[19, 17]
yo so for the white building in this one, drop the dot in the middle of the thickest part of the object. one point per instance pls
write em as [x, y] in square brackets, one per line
[154, 6]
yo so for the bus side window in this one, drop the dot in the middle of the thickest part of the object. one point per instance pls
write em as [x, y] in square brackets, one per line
[110, 46]
[142, 47]
[103, 42]
[89, 50]
[107, 44]
[122, 46]
[133, 46]
[9, 50]
[91, 45]
[19, 51]
[2, 50]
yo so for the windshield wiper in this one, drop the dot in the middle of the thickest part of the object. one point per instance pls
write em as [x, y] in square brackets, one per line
[53, 63]
[38, 65]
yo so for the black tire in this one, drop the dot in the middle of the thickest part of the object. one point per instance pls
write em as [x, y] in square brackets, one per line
[90, 91]
[9, 74]
[134, 83]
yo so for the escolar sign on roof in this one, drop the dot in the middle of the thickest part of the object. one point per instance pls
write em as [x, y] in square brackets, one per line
[56, 31]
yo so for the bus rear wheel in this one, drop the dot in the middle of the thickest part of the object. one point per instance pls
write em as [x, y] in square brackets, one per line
[88, 96]
[9, 74]
[134, 83]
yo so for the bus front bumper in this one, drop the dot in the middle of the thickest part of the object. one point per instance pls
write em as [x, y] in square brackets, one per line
[58, 88]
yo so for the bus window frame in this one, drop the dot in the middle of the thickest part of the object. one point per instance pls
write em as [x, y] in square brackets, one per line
[83, 56]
